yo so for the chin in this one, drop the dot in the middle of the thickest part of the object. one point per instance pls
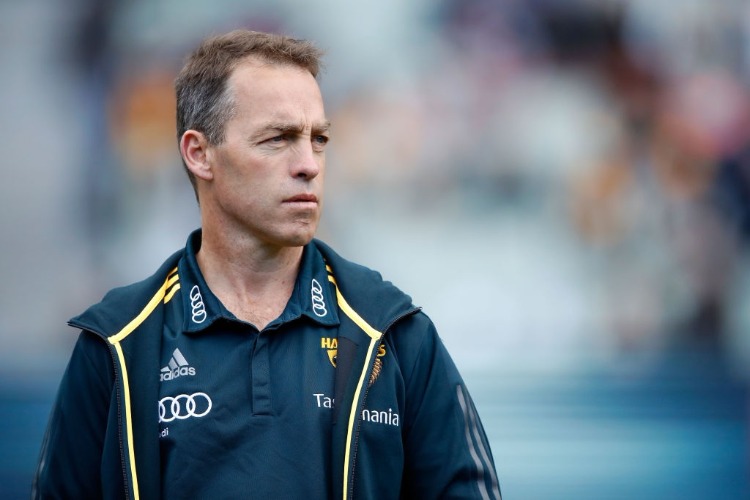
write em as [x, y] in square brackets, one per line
[298, 239]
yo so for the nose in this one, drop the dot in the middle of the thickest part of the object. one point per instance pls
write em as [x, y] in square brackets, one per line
[308, 163]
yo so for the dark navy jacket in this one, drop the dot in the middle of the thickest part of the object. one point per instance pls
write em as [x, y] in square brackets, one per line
[101, 441]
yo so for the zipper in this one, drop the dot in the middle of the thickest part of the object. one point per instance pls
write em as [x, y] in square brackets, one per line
[361, 404]
[119, 425]
[116, 367]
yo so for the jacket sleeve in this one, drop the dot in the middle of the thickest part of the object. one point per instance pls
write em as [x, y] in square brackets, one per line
[447, 454]
[70, 461]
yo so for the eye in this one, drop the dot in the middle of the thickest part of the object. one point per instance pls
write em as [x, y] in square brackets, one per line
[319, 141]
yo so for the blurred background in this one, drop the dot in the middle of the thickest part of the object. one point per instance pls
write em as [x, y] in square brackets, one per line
[564, 186]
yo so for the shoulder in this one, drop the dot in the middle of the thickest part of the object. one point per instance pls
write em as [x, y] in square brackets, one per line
[121, 304]
[347, 269]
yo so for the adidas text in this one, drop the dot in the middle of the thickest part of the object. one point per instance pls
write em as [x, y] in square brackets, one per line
[177, 372]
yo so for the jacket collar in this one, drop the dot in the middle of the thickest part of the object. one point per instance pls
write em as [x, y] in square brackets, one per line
[312, 296]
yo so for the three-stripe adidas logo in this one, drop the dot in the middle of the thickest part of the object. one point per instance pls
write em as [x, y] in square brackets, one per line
[178, 366]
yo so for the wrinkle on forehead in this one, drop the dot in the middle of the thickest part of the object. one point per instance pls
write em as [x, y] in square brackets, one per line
[278, 98]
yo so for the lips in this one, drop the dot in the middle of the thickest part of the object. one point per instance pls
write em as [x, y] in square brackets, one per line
[302, 198]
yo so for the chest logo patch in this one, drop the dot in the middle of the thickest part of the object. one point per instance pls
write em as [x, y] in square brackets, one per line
[330, 344]
[178, 366]
[184, 406]
[318, 301]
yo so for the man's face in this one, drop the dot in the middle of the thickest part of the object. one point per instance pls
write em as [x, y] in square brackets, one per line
[268, 173]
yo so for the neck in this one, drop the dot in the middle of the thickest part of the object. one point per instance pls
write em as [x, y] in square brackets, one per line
[252, 279]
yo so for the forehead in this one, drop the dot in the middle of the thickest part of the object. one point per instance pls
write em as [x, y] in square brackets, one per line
[275, 89]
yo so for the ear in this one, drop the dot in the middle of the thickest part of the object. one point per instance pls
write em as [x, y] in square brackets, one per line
[194, 149]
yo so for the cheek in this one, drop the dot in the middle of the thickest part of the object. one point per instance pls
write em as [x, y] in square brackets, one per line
[239, 173]
[322, 168]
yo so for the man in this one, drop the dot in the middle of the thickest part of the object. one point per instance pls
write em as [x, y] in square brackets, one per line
[256, 362]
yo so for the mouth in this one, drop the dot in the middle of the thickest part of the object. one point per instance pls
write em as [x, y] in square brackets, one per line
[307, 199]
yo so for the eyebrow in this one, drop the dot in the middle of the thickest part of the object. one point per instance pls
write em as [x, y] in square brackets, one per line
[321, 127]
[291, 128]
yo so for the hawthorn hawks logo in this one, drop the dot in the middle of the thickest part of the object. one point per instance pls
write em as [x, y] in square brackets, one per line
[331, 346]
